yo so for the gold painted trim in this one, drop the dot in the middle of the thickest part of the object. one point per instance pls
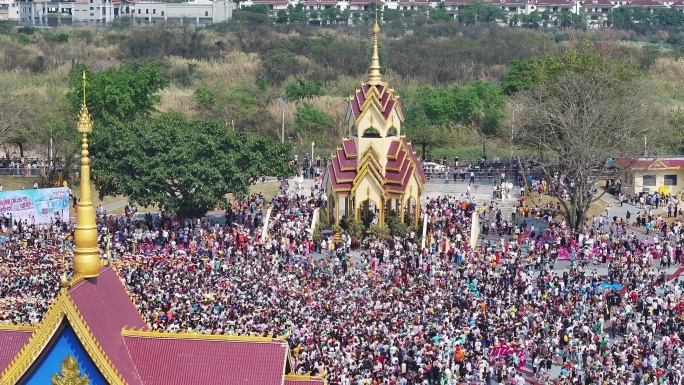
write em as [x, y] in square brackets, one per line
[18, 328]
[62, 308]
[200, 336]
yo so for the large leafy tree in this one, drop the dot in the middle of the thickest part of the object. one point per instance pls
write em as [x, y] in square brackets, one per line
[577, 117]
[478, 105]
[531, 73]
[117, 95]
[185, 165]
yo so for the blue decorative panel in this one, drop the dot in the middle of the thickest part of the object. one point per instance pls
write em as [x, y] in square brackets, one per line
[66, 344]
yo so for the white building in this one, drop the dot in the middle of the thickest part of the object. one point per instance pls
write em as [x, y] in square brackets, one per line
[9, 10]
[199, 12]
[93, 12]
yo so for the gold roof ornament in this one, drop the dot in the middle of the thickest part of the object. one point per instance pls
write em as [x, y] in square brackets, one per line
[70, 374]
[84, 123]
[86, 251]
[375, 77]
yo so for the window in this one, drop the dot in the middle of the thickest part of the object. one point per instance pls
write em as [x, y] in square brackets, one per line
[670, 180]
[649, 180]
[206, 13]
[139, 11]
[162, 13]
[91, 8]
[147, 11]
[154, 11]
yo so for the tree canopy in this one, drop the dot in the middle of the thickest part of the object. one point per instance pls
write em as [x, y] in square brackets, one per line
[184, 165]
[432, 111]
[531, 73]
[117, 95]
[577, 120]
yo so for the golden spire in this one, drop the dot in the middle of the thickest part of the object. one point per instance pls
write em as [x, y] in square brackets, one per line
[64, 281]
[86, 252]
[374, 76]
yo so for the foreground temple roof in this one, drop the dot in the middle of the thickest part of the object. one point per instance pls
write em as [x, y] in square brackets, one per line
[111, 339]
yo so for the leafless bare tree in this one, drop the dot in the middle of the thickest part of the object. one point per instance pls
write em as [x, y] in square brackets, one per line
[14, 111]
[576, 123]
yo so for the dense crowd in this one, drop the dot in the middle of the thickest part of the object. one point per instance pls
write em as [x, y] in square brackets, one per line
[392, 312]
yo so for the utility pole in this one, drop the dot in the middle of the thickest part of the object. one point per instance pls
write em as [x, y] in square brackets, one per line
[283, 104]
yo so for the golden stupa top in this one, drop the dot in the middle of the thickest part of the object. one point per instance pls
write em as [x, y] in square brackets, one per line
[84, 122]
[375, 77]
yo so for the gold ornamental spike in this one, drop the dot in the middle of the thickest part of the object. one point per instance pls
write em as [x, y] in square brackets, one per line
[86, 251]
[375, 77]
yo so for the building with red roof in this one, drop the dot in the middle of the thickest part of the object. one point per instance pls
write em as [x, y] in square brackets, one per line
[664, 175]
[375, 166]
[92, 334]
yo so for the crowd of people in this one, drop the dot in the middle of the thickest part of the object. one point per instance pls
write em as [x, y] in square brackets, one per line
[527, 304]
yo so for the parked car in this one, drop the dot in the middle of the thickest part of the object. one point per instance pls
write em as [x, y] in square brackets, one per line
[433, 168]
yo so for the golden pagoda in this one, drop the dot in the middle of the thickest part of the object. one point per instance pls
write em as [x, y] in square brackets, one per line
[375, 164]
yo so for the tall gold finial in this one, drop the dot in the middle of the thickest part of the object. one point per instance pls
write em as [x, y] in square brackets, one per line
[375, 77]
[64, 281]
[86, 252]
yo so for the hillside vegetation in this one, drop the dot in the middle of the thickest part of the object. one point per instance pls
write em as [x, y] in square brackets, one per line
[235, 72]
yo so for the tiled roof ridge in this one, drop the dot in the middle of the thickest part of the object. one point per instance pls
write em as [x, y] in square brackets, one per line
[251, 337]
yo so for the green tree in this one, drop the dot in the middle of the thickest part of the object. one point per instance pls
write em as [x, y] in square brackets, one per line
[185, 165]
[310, 121]
[303, 88]
[530, 73]
[427, 136]
[391, 15]
[256, 8]
[331, 15]
[280, 64]
[297, 13]
[642, 16]
[669, 17]
[479, 11]
[621, 17]
[487, 104]
[205, 97]
[281, 17]
[118, 95]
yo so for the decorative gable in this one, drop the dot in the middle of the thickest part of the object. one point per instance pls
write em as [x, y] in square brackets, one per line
[62, 332]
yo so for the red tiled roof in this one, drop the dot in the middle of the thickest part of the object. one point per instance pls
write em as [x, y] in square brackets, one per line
[166, 361]
[646, 3]
[651, 163]
[384, 96]
[564, 3]
[457, 2]
[590, 3]
[11, 342]
[414, 158]
[313, 2]
[404, 2]
[270, 1]
[393, 150]
[349, 146]
[106, 308]
[679, 4]
[505, 3]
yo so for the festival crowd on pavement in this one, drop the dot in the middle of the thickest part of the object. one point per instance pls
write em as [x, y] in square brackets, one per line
[394, 313]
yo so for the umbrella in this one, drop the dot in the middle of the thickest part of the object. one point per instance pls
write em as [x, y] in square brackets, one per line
[326, 231]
